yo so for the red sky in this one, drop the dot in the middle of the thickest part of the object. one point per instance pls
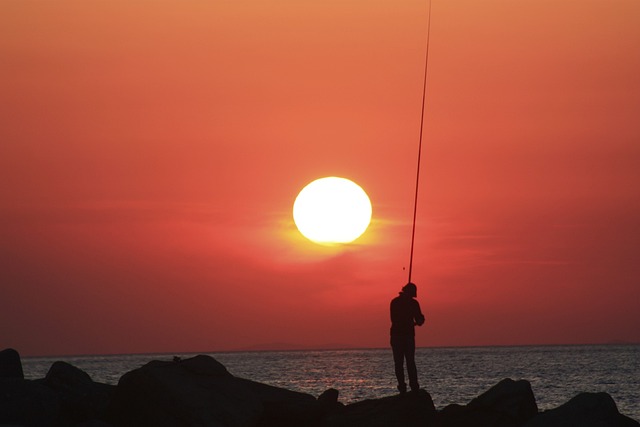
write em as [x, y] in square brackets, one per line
[151, 153]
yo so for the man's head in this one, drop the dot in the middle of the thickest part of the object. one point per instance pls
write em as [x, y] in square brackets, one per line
[410, 289]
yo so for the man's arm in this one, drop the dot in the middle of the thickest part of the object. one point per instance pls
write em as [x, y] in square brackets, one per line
[418, 316]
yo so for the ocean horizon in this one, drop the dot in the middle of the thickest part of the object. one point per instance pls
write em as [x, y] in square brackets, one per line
[286, 347]
[450, 374]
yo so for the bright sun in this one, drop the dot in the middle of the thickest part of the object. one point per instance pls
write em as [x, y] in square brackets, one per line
[332, 210]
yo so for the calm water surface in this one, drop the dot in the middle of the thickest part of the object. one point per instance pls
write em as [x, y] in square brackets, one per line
[451, 375]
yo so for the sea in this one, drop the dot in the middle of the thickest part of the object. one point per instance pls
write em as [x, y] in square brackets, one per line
[450, 375]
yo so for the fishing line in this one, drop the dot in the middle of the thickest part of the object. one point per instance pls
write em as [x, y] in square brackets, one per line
[424, 96]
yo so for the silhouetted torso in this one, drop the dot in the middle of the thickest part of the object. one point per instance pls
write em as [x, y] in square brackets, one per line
[405, 313]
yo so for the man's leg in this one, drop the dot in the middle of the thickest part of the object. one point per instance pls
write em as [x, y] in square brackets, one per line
[410, 354]
[398, 346]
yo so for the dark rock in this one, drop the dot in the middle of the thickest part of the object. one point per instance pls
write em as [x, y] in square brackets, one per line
[189, 392]
[328, 402]
[28, 403]
[329, 396]
[200, 391]
[507, 404]
[584, 410]
[514, 399]
[64, 376]
[10, 364]
[81, 399]
[94, 423]
[408, 410]
[455, 415]
[203, 365]
[327, 405]
[283, 407]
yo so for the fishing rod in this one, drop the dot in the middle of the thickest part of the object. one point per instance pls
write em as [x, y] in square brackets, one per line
[424, 96]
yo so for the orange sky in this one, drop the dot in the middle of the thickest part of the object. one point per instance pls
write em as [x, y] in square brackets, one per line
[151, 153]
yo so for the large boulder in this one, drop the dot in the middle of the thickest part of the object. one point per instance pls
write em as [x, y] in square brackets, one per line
[284, 408]
[62, 375]
[407, 410]
[94, 423]
[328, 401]
[67, 396]
[584, 410]
[10, 364]
[81, 398]
[200, 391]
[507, 404]
[28, 403]
[514, 399]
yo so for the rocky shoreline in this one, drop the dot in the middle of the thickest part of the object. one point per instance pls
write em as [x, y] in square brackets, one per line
[199, 391]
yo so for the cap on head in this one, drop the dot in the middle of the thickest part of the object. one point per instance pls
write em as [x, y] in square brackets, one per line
[410, 289]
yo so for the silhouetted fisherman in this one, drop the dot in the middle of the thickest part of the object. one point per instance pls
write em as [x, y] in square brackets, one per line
[405, 314]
